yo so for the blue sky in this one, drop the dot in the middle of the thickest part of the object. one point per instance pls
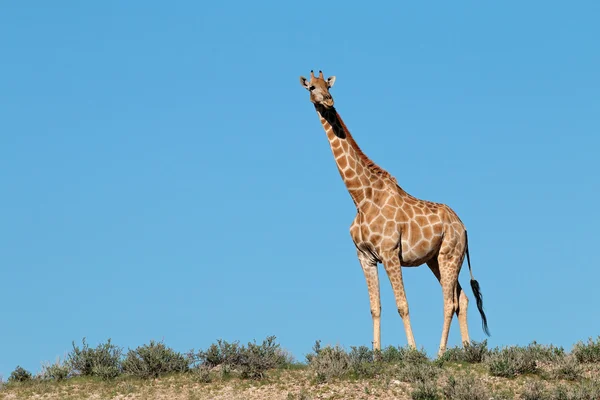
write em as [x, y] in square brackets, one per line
[164, 176]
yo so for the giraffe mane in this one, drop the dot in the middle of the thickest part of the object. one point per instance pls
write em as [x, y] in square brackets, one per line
[370, 163]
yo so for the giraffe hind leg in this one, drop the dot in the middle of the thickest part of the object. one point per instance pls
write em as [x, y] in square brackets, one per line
[461, 313]
[455, 300]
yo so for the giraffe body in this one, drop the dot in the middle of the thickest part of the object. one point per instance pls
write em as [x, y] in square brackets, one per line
[415, 228]
[394, 228]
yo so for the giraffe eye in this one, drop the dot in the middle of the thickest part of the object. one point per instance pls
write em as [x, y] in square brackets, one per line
[311, 88]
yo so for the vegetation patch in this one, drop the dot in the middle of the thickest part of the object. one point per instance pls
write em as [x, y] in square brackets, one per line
[465, 387]
[154, 360]
[511, 361]
[232, 370]
[250, 361]
[329, 362]
[587, 352]
[57, 371]
[103, 361]
[474, 352]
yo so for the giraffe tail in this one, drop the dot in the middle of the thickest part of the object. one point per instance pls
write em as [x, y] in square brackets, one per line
[477, 291]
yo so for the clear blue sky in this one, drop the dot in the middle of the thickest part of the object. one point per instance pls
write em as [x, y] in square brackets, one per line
[164, 176]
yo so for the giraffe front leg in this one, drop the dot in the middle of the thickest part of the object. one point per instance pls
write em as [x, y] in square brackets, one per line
[391, 263]
[369, 266]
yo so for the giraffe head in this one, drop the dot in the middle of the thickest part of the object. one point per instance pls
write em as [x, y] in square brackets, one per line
[319, 89]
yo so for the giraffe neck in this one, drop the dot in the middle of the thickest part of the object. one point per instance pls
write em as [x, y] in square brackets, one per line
[360, 175]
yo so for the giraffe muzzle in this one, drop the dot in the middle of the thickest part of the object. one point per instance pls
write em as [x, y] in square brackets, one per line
[327, 103]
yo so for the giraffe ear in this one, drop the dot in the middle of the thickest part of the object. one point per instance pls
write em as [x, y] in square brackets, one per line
[304, 82]
[330, 81]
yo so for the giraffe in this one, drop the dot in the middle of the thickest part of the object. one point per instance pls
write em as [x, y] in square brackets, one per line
[396, 229]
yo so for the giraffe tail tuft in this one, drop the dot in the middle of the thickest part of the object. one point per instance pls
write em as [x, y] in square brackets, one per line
[479, 300]
[477, 291]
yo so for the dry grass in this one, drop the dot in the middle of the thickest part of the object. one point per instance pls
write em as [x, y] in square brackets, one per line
[222, 372]
[454, 379]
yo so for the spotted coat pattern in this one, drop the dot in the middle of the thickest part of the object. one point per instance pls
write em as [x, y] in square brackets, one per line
[392, 227]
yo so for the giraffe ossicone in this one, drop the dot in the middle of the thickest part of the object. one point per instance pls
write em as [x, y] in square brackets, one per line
[396, 229]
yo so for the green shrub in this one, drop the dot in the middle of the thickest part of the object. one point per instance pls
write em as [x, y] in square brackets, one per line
[221, 353]
[583, 391]
[361, 354]
[545, 353]
[154, 360]
[567, 368]
[363, 362]
[587, 352]
[201, 373]
[515, 360]
[302, 395]
[328, 362]
[20, 375]
[103, 361]
[425, 391]
[316, 349]
[57, 371]
[465, 388]
[535, 391]
[511, 361]
[418, 372]
[473, 352]
[255, 359]
[390, 354]
[252, 361]
[561, 392]
[411, 355]
[412, 365]
[394, 355]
